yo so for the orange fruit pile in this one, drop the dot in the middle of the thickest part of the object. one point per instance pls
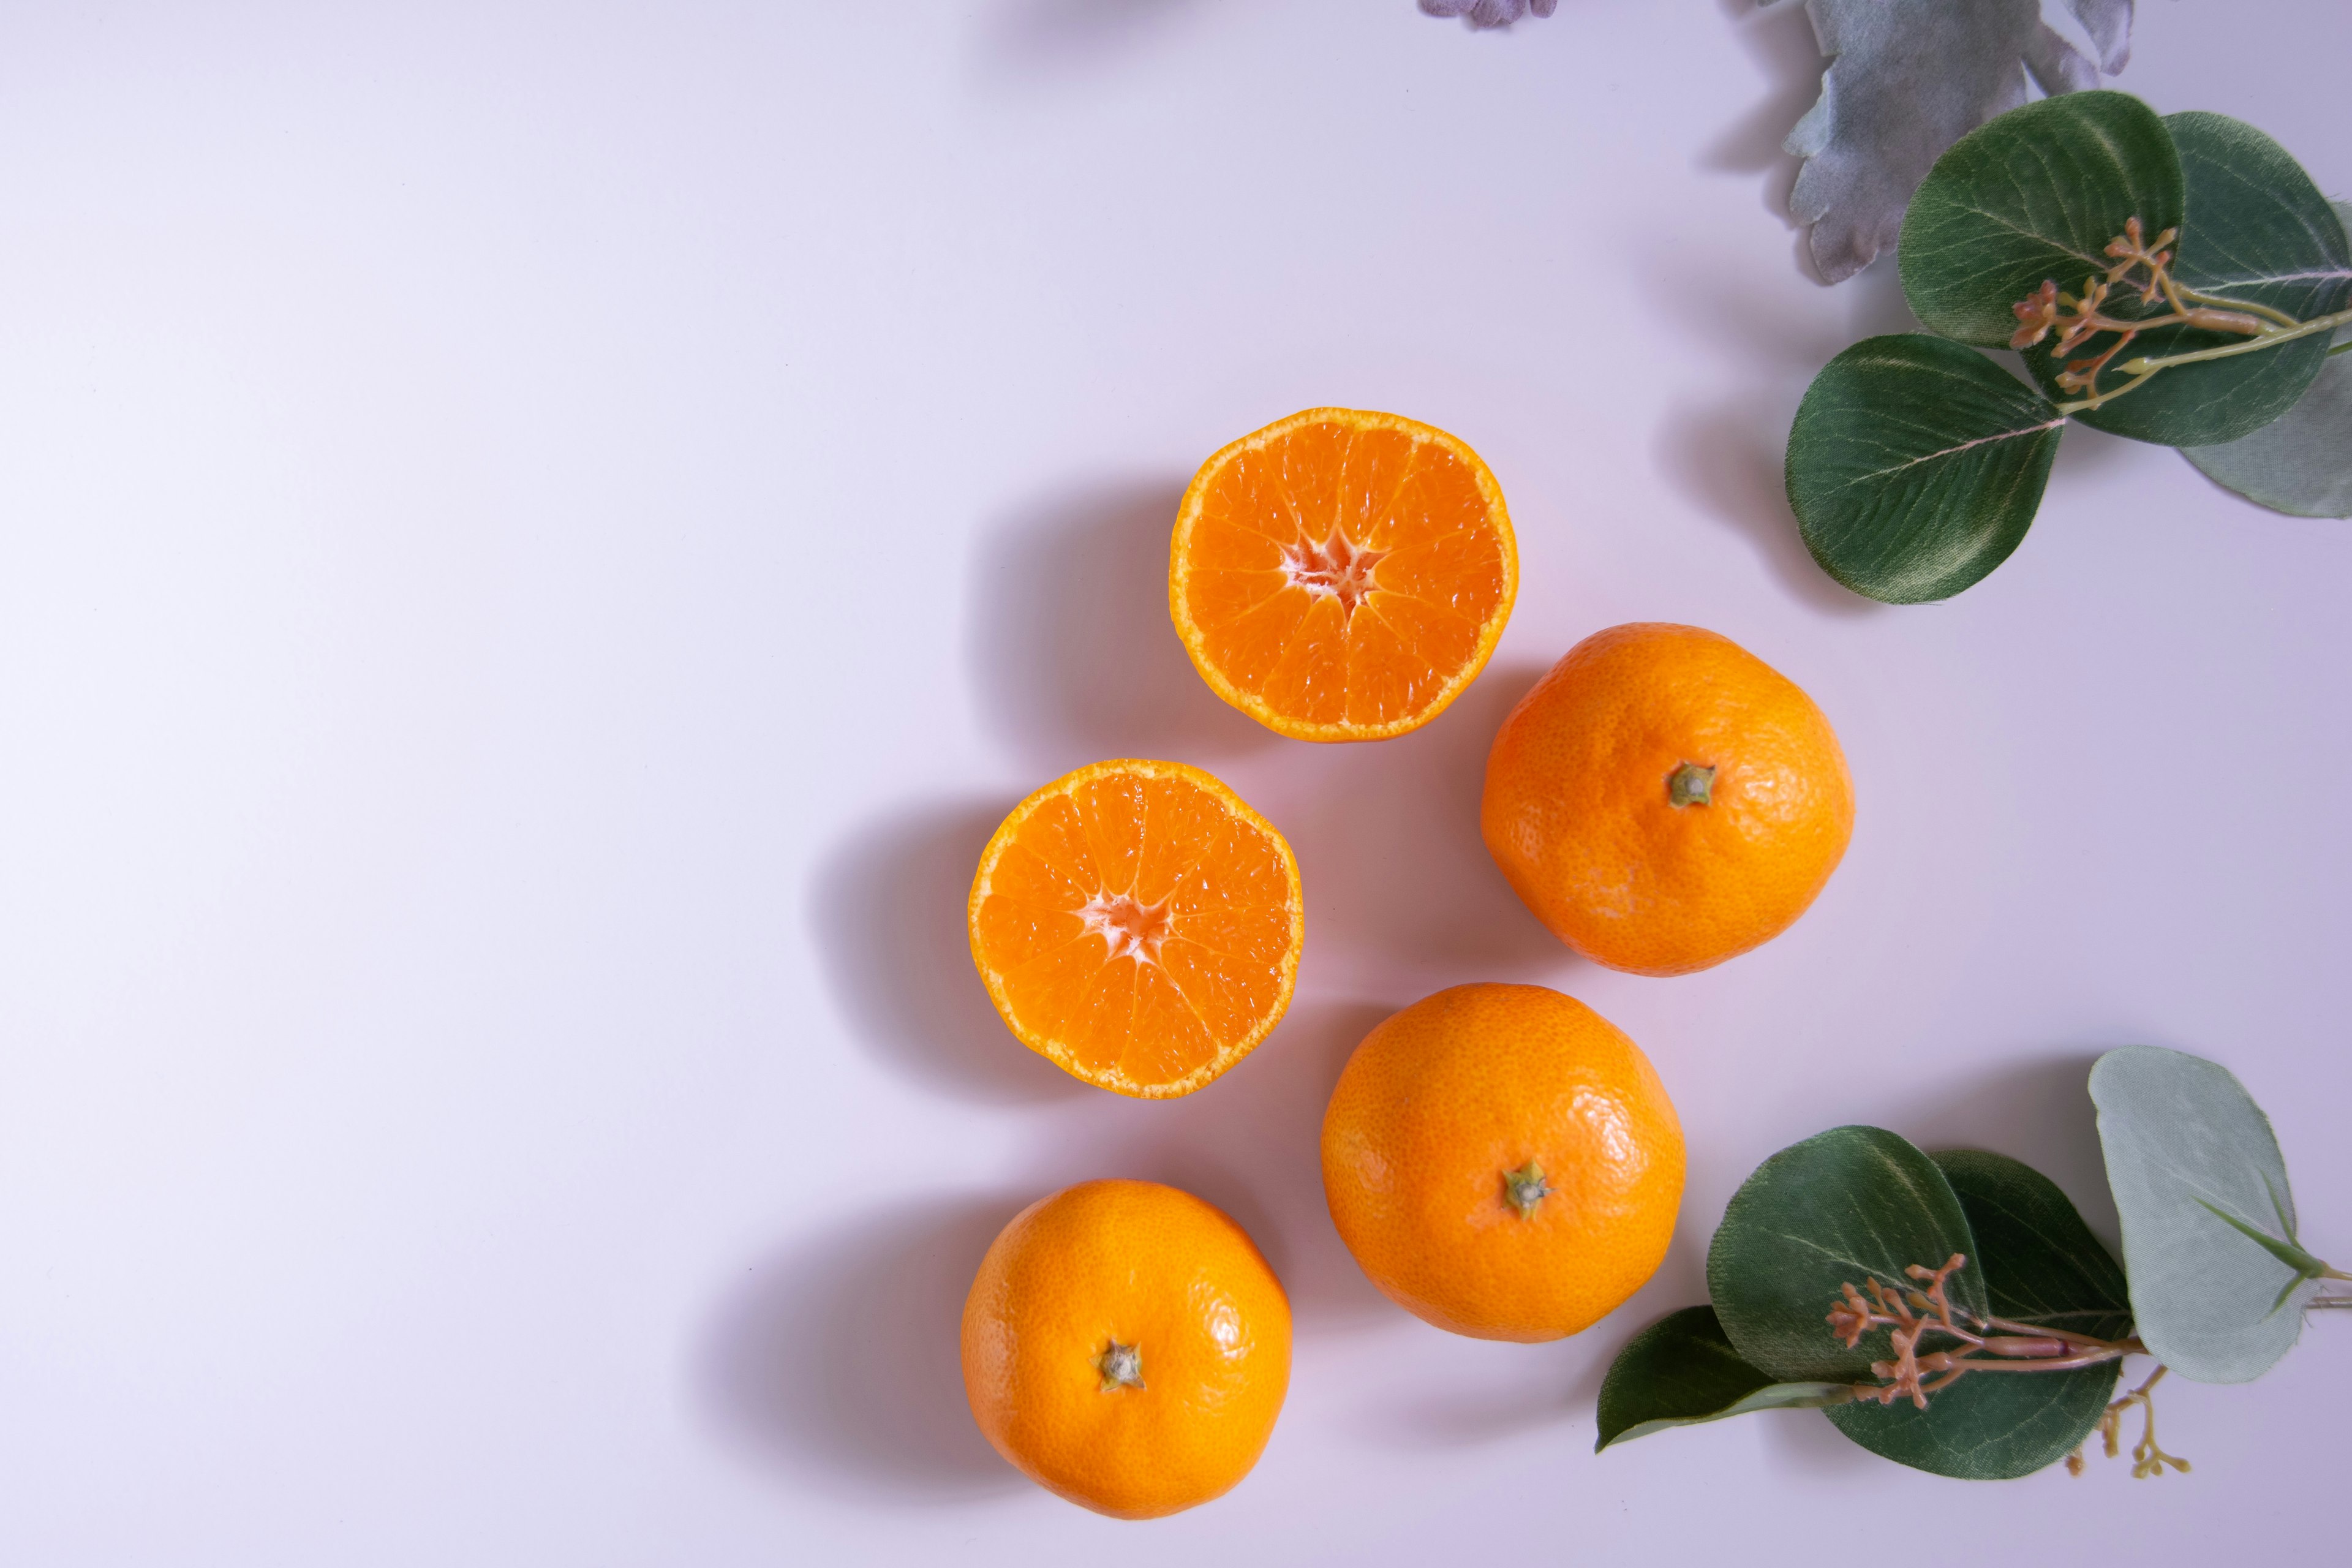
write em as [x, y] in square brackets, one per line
[1502, 1162]
[1126, 1346]
[1665, 800]
[1499, 1160]
[1138, 925]
[1343, 575]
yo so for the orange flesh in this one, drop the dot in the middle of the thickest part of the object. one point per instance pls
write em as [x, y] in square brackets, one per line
[1343, 575]
[1138, 924]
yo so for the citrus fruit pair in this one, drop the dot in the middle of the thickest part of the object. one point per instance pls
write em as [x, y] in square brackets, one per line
[1500, 1161]
[1338, 575]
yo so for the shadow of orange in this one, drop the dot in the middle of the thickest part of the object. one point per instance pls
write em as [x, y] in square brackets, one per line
[843, 1354]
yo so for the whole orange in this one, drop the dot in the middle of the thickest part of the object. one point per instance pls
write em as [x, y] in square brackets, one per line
[1503, 1162]
[1126, 1347]
[1665, 800]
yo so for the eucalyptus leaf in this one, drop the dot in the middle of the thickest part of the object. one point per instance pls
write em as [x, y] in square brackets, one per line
[1916, 466]
[1905, 78]
[2034, 195]
[2042, 1267]
[2301, 462]
[2256, 231]
[1844, 1206]
[1682, 1370]
[2195, 1168]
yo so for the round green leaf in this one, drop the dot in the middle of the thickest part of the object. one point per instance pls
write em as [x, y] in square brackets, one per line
[2218, 1279]
[2041, 1265]
[1841, 1208]
[1682, 1370]
[1916, 466]
[2257, 231]
[2301, 462]
[2033, 193]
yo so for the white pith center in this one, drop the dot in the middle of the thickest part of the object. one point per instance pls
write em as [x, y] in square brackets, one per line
[1130, 929]
[1336, 568]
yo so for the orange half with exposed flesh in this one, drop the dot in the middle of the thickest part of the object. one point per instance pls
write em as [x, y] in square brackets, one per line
[1138, 925]
[1343, 575]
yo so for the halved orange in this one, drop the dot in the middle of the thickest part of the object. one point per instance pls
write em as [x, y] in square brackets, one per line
[1341, 576]
[1137, 925]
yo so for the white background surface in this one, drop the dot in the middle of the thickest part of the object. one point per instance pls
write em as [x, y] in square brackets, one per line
[537, 540]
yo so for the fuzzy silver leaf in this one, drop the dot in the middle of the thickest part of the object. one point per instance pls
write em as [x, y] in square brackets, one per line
[1907, 78]
[1489, 13]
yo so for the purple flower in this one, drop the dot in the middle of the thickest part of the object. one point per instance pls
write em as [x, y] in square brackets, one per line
[1488, 13]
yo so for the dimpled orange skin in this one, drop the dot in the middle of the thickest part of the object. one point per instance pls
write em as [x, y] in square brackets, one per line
[1442, 1102]
[1138, 1264]
[1578, 816]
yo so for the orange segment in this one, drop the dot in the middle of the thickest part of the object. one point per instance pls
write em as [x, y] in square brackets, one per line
[1138, 925]
[1341, 576]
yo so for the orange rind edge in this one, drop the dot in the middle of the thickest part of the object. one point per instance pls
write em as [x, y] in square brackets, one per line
[1055, 1050]
[1190, 634]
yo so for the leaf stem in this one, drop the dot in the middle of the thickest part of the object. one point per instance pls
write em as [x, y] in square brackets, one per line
[2141, 369]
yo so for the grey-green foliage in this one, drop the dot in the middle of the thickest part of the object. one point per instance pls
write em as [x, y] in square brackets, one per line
[1916, 466]
[1907, 78]
[2217, 1278]
[2295, 463]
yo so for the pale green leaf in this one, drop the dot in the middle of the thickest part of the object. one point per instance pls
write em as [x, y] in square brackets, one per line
[2195, 1167]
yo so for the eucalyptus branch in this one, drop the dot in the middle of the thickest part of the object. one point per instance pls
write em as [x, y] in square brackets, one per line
[2269, 340]
[2079, 319]
[1912, 1313]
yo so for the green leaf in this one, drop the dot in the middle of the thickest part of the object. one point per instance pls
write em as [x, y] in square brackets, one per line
[1682, 1370]
[2257, 231]
[2033, 194]
[2195, 1169]
[2043, 1267]
[2301, 462]
[1916, 466]
[1844, 1206]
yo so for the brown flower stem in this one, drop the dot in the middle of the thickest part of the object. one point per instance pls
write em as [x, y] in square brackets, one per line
[2090, 1341]
[2069, 1363]
[2078, 321]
